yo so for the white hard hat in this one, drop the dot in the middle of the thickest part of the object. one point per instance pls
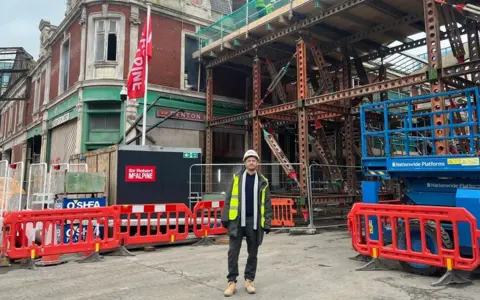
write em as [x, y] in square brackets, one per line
[251, 153]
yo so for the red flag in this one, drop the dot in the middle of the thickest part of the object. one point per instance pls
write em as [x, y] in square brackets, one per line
[136, 78]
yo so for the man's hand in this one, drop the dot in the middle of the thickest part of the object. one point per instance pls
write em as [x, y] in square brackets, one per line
[225, 224]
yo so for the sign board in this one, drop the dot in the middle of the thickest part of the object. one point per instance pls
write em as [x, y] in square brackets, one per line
[140, 173]
[75, 233]
[190, 155]
[84, 202]
[60, 120]
[189, 116]
[434, 164]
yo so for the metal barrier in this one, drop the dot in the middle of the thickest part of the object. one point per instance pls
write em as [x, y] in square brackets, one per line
[222, 178]
[14, 196]
[407, 233]
[207, 218]
[37, 186]
[153, 223]
[31, 234]
[283, 212]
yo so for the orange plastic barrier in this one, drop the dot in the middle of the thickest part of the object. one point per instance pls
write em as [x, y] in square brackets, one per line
[283, 212]
[207, 218]
[31, 234]
[153, 223]
[367, 221]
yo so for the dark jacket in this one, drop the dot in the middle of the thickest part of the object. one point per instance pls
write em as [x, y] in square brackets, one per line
[233, 225]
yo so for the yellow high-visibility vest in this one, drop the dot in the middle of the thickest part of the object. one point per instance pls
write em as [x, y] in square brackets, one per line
[233, 211]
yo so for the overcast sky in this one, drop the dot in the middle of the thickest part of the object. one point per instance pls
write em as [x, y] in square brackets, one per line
[19, 21]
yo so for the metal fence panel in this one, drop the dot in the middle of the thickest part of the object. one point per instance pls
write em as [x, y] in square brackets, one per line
[15, 196]
[37, 187]
[222, 178]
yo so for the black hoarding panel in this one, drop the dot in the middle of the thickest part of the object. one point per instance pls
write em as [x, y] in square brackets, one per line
[150, 177]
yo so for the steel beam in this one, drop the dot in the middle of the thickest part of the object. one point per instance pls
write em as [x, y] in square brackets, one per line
[434, 55]
[302, 91]
[375, 30]
[257, 98]
[463, 69]
[230, 119]
[343, 6]
[453, 32]
[209, 132]
[365, 90]
[404, 47]
[472, 28]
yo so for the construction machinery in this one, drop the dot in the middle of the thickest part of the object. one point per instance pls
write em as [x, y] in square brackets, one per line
[435, 156]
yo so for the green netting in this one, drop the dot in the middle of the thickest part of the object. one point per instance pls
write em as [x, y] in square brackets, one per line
[236, 20]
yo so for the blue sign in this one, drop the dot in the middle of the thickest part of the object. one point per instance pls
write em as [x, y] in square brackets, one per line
[84, 202]
[97, 232]
[434, 164]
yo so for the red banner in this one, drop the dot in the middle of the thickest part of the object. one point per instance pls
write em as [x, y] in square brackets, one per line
[136, 78]
[140, 174]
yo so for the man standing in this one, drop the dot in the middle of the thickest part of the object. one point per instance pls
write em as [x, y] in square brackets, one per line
[247, 212]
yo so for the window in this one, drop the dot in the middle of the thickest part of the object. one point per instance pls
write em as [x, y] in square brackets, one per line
[109, 121]
[10, 118]
[191, 66]
[64, 66]
[106, 31]
[36, 96]
[20, 113]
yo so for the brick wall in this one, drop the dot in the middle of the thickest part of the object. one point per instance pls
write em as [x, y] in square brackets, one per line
[164, 68]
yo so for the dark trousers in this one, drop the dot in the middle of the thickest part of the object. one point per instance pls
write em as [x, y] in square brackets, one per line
[234, 251]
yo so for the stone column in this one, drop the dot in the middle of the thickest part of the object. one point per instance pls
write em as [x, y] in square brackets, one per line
[131, 108]
[83, 42]
[78, 142]
[134, 23]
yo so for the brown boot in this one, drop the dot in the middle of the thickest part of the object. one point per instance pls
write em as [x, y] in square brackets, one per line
[231, 289]
[249, 287]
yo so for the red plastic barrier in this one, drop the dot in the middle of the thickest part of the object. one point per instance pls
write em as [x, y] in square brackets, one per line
[207, 218]
[402, 218]
[283, 212]
[153, 223]
[31, 234]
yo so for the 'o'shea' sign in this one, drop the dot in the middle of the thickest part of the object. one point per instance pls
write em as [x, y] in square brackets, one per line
[140, 174]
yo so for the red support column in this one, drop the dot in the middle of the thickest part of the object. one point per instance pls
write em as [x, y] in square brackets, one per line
[434, 64]
[209, 133]
[257, 97]
[302, 90]
[349, 126]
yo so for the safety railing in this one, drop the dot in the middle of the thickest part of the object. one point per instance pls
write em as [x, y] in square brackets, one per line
[28, 234]
[243, 16]
[283, 212]
[407, 130]
[207, 218]
[153, 223]
[415, 234]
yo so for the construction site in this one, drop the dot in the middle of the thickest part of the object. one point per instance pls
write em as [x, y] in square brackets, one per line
[365, 118]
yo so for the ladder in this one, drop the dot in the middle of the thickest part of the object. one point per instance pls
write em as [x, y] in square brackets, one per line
[326, 152]
[282, 158]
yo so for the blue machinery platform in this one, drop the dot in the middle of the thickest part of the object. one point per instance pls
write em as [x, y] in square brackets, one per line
[403, 147]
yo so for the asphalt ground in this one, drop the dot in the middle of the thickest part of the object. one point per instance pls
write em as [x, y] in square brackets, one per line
[290, 267]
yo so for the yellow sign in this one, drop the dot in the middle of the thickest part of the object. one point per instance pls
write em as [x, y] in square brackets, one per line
[472, 161]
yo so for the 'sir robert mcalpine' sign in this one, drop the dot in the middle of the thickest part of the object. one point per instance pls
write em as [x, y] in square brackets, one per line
[140, 173]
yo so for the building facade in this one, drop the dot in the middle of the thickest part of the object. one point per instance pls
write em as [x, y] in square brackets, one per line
[74, 86]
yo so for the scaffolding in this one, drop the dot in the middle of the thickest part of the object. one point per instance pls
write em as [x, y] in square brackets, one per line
[346, 54]
[15, 63]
